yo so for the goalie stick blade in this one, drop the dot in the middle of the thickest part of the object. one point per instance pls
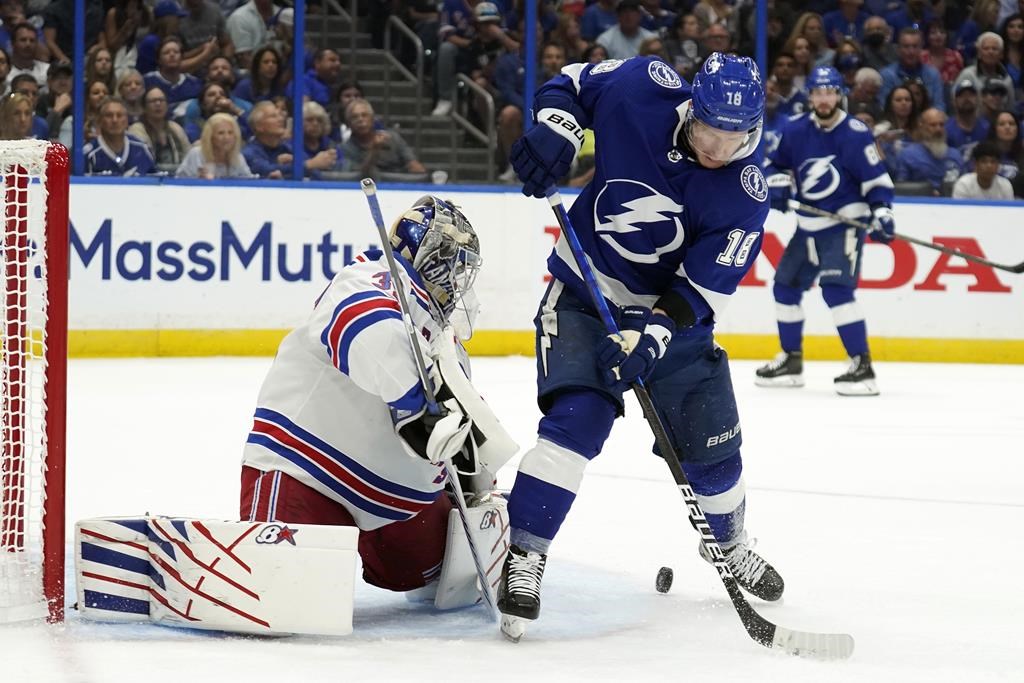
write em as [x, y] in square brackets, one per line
[820, 646]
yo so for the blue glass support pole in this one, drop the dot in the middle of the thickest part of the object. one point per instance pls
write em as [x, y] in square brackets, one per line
[761, 50]
[529, 63]
[78, 91]
[299, 86]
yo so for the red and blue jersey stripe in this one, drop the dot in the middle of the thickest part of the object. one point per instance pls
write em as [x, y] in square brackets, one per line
[340, 473]
[353, 315]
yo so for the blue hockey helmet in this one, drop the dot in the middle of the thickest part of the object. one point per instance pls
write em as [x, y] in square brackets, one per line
[439, 242]
[825, 77]
[728, 93]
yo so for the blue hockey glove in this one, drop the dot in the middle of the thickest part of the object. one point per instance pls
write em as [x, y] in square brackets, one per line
[541, 158]
[641, 343]
[780, 191]
[883, 225]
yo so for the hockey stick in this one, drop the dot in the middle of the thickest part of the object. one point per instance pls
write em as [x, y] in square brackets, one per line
[486, 590]
[823, 646]
[861, 225]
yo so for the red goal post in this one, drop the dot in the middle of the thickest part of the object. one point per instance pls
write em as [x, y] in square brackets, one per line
[33, 378]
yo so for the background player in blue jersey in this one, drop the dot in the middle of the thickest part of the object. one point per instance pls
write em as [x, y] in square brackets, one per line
[836, 166]
[671, 222]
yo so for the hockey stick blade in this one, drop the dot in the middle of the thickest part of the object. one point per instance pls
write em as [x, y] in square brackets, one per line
[861, 225]
[804, 644]
[821, 646]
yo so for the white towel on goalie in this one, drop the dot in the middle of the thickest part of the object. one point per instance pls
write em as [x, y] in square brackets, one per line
[250, 577]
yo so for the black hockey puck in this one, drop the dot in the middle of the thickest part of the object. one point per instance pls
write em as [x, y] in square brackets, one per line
[664, 581]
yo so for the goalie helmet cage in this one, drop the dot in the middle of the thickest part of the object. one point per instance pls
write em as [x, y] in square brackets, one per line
[33, 372]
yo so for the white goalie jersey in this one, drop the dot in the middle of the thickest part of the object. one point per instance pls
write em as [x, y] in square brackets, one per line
[324, 413]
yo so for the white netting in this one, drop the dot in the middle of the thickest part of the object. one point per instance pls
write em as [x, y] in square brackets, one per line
[22, 378]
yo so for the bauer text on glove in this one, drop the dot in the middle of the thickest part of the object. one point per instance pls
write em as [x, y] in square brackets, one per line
[544, 155]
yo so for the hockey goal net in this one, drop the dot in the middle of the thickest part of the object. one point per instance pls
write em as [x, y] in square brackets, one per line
[34, 255]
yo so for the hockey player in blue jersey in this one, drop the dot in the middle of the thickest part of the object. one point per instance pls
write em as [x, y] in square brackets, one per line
[836, 166]
[671, 222]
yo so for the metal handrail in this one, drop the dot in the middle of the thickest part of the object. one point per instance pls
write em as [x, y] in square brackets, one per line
[352, 15]
[488, 137]
[353, 12]
[417, 78]
[340, 11]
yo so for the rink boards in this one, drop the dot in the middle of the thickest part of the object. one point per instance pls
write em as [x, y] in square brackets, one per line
[193, 268]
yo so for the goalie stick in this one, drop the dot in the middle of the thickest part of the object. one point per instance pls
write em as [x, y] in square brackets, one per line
[822, 646]
[861, 225]
[486, 590]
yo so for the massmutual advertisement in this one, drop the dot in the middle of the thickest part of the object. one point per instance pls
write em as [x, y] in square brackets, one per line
[207, 269]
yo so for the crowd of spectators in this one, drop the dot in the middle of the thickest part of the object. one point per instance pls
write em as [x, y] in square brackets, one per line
[934, 78]
[192, 88]
[203, 88]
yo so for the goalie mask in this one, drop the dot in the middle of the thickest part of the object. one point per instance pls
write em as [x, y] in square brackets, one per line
[437, 239]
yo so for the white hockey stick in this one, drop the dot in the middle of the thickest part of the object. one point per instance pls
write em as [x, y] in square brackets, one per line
[370, 190]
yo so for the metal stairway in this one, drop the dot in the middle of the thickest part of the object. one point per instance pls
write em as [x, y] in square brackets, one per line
[440, 144]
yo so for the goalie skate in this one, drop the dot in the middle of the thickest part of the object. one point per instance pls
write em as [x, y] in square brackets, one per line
[785, 370]
[859, 379]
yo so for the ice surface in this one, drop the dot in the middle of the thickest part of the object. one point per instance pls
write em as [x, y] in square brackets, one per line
[897, 519]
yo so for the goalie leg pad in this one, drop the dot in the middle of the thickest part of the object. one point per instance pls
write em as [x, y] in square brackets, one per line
[488, 523]
[246, 577]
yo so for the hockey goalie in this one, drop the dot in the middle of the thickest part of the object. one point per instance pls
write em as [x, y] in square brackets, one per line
[343, 458]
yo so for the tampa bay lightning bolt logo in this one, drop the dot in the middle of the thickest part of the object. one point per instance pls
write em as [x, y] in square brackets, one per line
[753, 183]
[664, 75]
[632, 217]
[818, 177]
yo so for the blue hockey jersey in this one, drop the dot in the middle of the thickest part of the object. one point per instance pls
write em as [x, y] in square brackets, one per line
[651, 219]
[837, 169]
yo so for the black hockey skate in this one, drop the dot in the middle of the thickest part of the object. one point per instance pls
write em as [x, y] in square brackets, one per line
[752, 572]
[785, 370]
[859, 379]
[519, 590]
